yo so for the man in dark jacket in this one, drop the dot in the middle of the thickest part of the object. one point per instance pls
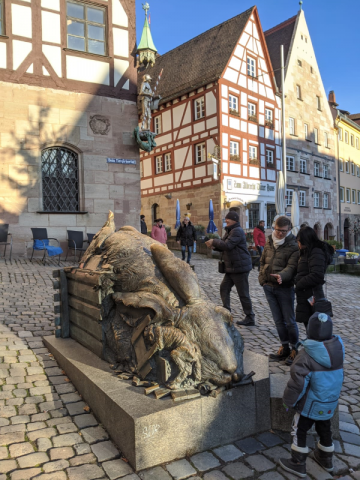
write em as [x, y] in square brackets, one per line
[316, 379]
[143, 225]
[237, 266]
[277, 271]
[186, 236]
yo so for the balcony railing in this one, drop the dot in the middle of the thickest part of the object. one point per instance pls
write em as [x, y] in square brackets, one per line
[254, 161]
[235, 158]
[269, 123]
[234, 112]
[252, 118]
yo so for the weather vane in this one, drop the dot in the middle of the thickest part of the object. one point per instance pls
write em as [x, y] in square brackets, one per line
[146, 7]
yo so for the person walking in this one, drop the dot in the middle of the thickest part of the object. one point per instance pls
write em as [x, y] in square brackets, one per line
[315, 256]
[158, 231]
[316, 379]
[143, 225]
[259, 239]
[237, 260]
[186, 236]
[278, 266]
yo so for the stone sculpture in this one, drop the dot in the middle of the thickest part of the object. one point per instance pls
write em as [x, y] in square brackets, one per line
[156, 318]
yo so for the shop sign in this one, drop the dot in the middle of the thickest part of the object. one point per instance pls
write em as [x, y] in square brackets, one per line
[123, 161]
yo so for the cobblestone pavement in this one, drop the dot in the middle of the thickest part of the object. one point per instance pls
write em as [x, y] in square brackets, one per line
[47, 432]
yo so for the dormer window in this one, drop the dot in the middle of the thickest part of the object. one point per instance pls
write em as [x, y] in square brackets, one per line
[85, 28]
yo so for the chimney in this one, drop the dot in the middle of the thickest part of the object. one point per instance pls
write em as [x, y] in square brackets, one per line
[332, 99]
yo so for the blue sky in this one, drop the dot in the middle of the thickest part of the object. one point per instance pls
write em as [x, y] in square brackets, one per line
[333, 27]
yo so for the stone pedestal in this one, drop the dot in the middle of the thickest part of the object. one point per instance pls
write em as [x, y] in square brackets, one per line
[149, 431]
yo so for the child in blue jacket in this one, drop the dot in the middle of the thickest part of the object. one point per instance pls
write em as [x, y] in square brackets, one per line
[316, 378]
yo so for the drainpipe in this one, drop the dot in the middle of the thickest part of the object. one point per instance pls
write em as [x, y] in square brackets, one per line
[340, 237]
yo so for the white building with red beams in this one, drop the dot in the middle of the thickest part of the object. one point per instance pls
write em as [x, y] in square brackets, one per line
[218, 128]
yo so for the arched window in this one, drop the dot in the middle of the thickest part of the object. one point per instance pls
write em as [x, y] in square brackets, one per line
[60, 180]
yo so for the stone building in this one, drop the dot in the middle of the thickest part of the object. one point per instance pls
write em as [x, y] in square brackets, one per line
[310, 136]
[217, 127]
[67, 110]
[348, 154]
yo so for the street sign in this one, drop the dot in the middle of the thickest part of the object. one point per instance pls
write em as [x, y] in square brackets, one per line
[123, 161]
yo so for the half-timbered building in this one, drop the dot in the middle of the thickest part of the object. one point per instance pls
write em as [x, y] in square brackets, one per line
[217, 126]
[67, 112]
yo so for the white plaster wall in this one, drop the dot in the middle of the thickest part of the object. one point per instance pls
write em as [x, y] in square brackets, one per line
[121, 42]
[53, 54]
[166, 121]
[20, 51]
[147, 170]
[50, 24]
[120, 67]
[119, 16]
[3, 63]
[51, 4]
[163, 180]
[210, 103]
[86, 70]
[180, 157]
[177, 114]
[21, 20]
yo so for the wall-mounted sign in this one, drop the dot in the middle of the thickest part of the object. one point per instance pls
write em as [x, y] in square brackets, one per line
[249, 187]
[123, 161]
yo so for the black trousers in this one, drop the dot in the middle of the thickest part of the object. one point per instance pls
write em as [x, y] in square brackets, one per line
[241, 282]
[322, 427]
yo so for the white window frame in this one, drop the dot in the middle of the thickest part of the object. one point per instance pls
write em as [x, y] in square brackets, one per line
[358, 170]
[200, 156]
[341, 164]
[253, 152]
[233, 103]
[353, 196]
[316, 135]
[290, 161]
[167, 161]
[316, 199]
[348, 194]
[342, 198]
[298, 92]
[303, 165]
[289, 197]
[340, 133]
[352, 168]
[317, 169]
[326, 170]
[325, 200]
[157, 124]
[318, 101]
[251, 109]
[347, 166]
[357, 142]
[302, 198]
[306, 130]
[269, 156]
[346, 136]
[358, 195]
[159, 165]
[352, 142]
[251, 67]
[326, 139]
[234, 148]
[291, 126]
[269, 115]
[199, 108]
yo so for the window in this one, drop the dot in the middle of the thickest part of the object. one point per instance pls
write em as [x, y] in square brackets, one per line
[233, 104]
[302, 198]
[289, 196]
[317, 169]
[358, 197]
[298, 92]
[358, 171]
[357, 143]
[318, 102]
[353, 196]
[269, 118]
[251, 70]
[234, 150]
[316, 199]
[352, 140]
[311, 70]
[326, 171]
[159, 164]
[341, 194]
[141, 169]
[270, 158]
[252, 154]
[326, 200]
[270, 214]
[340, 134]
[290, 163]
[348, 195]
[326, 139]
[306, 130]
[316, 135]
[302, 165]
[86, 28]
[291, 126]
[200, 153]
[352, 168]
[157, 124]
[167, 158]
[347, 167]
[252, 112]
[199, 108]
[346, 136]
[2, 31]
[300, 63]
[254, 214]
[341, 165]
[60, 180]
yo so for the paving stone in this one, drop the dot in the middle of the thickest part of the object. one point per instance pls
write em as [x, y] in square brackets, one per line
[7, 466]
[353, 462]
[7, 412]
[204, 461]
[65, 388]
[70, 398]
[157, 473]
[35, 426]
[27, 409]
[84, 421]
[67, 440]
[13, 428]
[228, 453]
[350, 438]
[9, 438]
[46, 406]
[105, 451]
[33, 459]
[314, 469]
[55, 466]
[271, 476]
[76, 408]
[5, 421]
[180, 469]
[61, 453]
[85, 472]
[60, 412]
[3, 453]
[67, 428]
[269, 439]
[39, 390]
[43, 433]
[238, 471]
[135, 477]
[25, 474]
[82, 459]
[19, 449]
[43, 444]
[94, 434]
[118, 468]
[82, 448]
[353, 450]
[348, 427]
[53, 422]
[259, 463]
[249, 445]
[275, 453]
[215, 475]
[340, 467]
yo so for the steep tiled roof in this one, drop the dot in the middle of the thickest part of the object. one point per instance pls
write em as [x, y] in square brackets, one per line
[275, 37]
[355, 117]
[197, 62]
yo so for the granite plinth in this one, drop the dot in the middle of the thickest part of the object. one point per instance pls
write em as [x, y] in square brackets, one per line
[150, 432]
[282, 419]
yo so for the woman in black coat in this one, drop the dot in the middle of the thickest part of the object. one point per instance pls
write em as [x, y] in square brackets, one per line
[315, 256]
[186, 236]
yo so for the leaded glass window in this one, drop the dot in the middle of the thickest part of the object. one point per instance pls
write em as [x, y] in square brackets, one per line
[60, 180]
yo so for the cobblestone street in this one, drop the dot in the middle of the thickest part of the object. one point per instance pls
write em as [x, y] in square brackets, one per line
[47, 431]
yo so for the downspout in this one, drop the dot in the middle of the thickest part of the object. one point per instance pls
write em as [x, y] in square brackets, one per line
[337, 121]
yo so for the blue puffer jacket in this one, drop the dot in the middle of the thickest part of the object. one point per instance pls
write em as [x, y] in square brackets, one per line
[316, 378]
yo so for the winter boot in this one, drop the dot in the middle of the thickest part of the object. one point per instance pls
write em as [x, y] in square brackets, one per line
[282, 354]
[291, 357]
[297, 463]
[324, 456]
[248, 322]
